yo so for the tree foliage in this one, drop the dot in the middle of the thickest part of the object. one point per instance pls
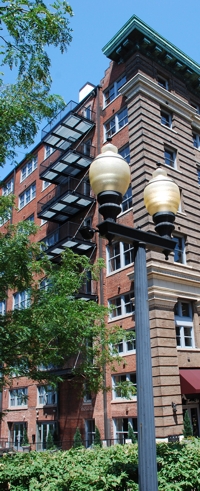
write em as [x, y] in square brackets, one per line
[27, 29]
[57, 330]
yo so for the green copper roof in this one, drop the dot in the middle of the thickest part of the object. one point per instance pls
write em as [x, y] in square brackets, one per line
[136, 35]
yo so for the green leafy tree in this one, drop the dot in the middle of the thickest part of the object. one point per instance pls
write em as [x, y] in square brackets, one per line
[187, 427]
[50, 441]
[77, 440]
[131, 434]
[27, 29]
[97, 437]
[56, 328]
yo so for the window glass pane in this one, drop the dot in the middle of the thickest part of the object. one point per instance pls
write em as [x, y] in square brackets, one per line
[169, 158]
[185, 307]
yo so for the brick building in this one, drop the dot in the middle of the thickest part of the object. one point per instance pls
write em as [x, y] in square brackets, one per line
[149, 102]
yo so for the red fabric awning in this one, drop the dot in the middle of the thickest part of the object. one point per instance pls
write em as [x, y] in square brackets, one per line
[190, 380]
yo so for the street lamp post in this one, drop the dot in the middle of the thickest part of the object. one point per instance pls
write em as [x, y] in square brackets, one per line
[109, 178]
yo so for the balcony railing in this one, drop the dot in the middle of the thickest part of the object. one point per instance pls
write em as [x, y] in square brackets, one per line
[64, 201]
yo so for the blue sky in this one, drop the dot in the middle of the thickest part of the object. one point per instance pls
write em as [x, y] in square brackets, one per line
[95, 22]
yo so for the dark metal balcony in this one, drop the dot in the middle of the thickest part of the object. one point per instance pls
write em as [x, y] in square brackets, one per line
[64, 201]
[58, 166]
[67, 235]
[70, 124]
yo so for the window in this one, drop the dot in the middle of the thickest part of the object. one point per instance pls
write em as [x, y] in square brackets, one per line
[113, 90]
[118, 256]
[28, 168]
[48, 151]
[2, 307]
[49, 241]
[7, 216]
[16, 432]
[198, 175]
[179, 251]
[163, 82]
[27, 196]
[184, 325]
[125, 153]
[129, 380]
[45, 185]
[121, 428]
[30, 219]
[47, 396]
[196, 140]
[166, 119]
[18, 397]
[196, 107]
[21, 300]
[116, 123]
[88, 112]
[127, 345]
[127, 200]
[87, 394]
[121, 305]
[89, 432]
[8, 188]
[170, 157]
[43, 430]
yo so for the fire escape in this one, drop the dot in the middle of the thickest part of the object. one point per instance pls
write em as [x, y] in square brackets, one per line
[69, 202]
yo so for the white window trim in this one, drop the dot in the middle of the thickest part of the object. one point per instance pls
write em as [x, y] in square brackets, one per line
[25, 167]
[8, 188]
[124, 342]
[121, 256]
[3, 307]
[45, 185]
[115, 397]
[117, 432]
[196, 137]
[165, 84]
[171, 150]
[46, 391]
[163, 112]
[32, 189]
[116, 93]
[123, 311]
[185, 321]
[117, 128]
[48, 150]
[25, 300]
[89, 435]
[24, 392]
[183, 253]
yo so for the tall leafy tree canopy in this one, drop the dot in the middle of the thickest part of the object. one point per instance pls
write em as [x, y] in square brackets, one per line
[54, 329]
[27, 29]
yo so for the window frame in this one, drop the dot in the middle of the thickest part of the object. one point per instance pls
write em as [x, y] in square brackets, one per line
[127, 378]
[115, 123]
[165, 118]
[45, 394]
[121, 304]
[120, 436]
[8, 188]
[23, 300]
[124, 351]
[16, 396]
[89, 432]
[2, 307]
[163, 82]
[172, 157]
[27, 196]
[183, 322]
[28, 168]
[180, 250]
[115, 90]
[196, 140]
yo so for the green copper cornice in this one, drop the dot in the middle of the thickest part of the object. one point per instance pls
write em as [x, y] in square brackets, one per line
[135, 34]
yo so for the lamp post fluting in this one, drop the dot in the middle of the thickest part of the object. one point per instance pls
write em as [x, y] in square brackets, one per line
[109, 178]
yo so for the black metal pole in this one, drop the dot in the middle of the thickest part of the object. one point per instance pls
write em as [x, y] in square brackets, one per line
[147, 465]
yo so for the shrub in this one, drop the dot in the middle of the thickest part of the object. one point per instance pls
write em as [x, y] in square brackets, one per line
[187, 427]
[50, 441]
[77, 439]
[97, 437]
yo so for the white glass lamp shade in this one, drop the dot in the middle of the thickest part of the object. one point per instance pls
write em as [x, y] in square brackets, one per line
[109, 171]
[161, 193]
